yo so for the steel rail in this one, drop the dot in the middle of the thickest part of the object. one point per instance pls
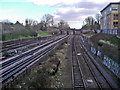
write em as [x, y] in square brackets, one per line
[93, 63]
[77, 76]
[29, 60]
[9, 62]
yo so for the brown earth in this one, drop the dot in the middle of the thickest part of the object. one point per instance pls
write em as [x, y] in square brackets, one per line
[53, 72]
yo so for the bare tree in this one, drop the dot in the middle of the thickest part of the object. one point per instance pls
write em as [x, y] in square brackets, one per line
[63, 25]
[88, 23]
[47, 20]
[31, 22]
[42, 26]
[89, 20]
[52, 21]
[98, 16]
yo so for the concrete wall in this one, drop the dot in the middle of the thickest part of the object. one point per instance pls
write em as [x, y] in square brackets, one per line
[111, 64]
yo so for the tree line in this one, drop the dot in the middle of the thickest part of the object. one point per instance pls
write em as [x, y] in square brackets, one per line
[30, 28]
[92, 23]
[46, 22]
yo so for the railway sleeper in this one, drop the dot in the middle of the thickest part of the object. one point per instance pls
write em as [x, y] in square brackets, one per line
[79, 86]
[23, 73]
[75, 65]
[74, 62]
[78, 80]
[76, 72]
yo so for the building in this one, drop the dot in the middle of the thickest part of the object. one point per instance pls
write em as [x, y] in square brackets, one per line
[110, 20]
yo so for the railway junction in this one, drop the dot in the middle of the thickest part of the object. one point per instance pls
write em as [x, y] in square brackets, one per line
[86, 72]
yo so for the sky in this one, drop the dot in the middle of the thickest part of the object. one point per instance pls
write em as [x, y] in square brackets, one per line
[72, 11]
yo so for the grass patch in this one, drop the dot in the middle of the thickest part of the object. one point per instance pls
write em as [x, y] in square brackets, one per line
[114, 40]
[22, 37]
[101, 42]
[100, 39]
[43, 34]
[7, 38]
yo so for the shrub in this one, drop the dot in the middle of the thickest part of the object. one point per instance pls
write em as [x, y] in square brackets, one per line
[114, 40]
[100, 43]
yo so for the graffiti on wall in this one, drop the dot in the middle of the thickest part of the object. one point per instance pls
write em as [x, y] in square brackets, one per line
[112, 65]
[93, 50]
[98, 53]
[82, 39]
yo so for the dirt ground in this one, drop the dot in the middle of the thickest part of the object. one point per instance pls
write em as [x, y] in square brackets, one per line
[53, 72]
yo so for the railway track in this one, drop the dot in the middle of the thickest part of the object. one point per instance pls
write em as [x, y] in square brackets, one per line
[104, 78]
[85, 73]
[11, 68]
[78, 81]
[23, 45]
[10, 45]
[7, 43]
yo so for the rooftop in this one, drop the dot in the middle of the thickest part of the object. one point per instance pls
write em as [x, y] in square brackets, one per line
[109, 5]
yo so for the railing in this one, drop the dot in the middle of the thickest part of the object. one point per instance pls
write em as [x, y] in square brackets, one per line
[111, 31]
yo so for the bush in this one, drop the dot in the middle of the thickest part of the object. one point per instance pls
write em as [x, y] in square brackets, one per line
[55, 32]
[6, 54]
[32, 33]
[17, 34]
[43, 34]
[114, 40]
[100, 43]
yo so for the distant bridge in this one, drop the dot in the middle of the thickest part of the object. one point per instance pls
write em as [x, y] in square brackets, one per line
[70, 31]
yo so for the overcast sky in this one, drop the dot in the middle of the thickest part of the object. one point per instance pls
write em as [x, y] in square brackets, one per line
[72, 11]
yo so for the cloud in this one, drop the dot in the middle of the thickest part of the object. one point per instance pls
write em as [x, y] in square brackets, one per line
[73, 14]
[69, 3]
[54, 2]
[72, 11]
[89, 5]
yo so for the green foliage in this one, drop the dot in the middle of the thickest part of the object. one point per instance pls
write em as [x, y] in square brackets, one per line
[43, 34]
[32, 33]
[7, 37]
[6, 54]
[19, 34]
[22, 37]
[114, 40]
[55, 32]
[100, 43]
[27, 27]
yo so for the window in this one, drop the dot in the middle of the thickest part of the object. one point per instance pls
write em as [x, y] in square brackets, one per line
[115, 8]
[115, 24]
[105, 12]
[115, 16]
[110, 9]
